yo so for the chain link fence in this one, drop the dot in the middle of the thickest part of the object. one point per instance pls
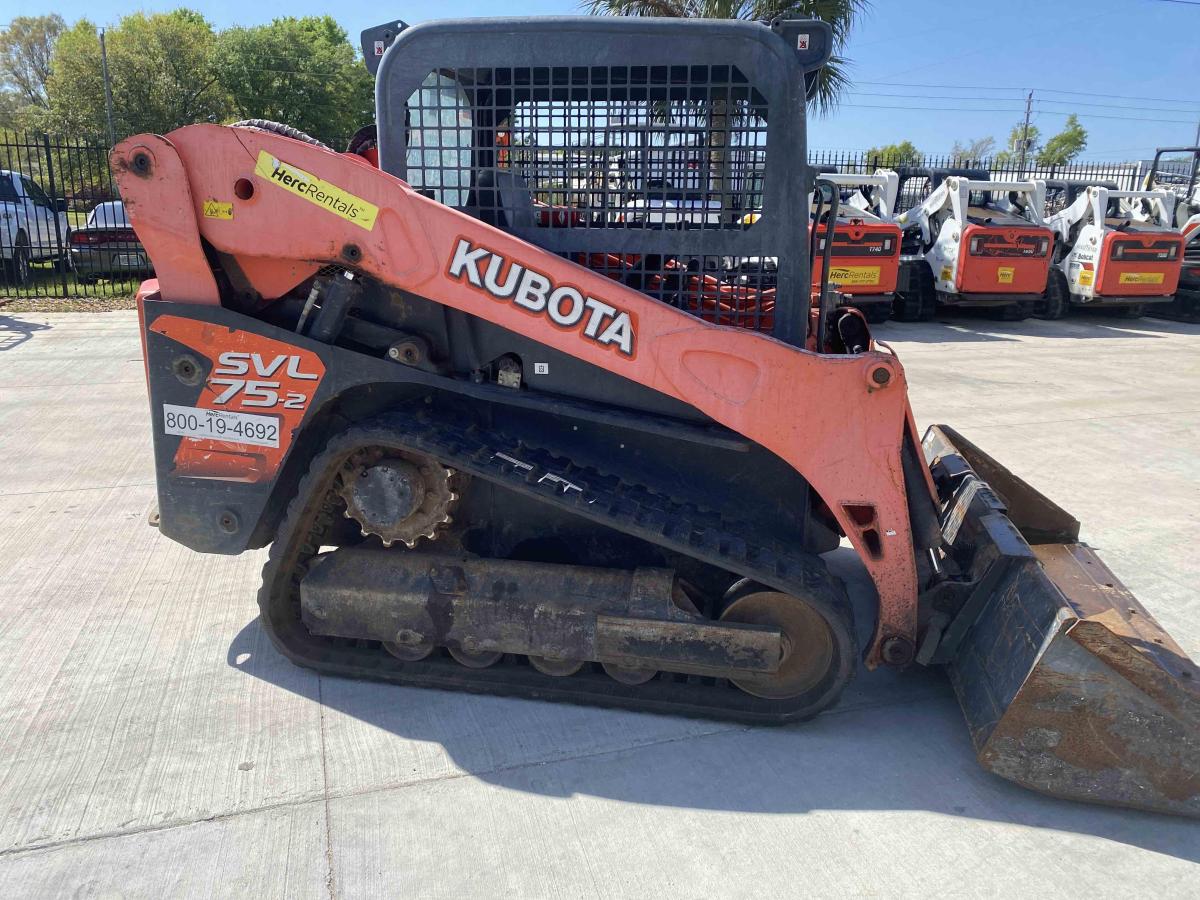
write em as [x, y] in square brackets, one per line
[64, 233]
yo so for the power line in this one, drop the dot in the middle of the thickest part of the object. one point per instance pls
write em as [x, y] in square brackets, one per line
[1118, 106]
[992, 87]
[1018, 99]
[1012, 109]
[933, 108]
[1092, 115]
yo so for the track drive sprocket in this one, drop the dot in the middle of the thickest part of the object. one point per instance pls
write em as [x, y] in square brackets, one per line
[398, 496]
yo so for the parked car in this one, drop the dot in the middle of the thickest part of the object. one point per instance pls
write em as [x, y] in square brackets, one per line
[107, 246]
[33, 227]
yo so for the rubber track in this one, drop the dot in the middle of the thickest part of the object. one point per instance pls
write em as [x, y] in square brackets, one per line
[606, 499]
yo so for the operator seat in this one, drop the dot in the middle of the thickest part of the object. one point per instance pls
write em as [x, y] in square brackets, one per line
[502, 199]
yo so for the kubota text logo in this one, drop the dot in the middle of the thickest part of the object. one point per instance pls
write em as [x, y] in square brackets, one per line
[566, 306]
[264, 390]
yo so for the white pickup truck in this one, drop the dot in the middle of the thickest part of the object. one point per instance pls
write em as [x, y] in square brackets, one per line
[29, 231]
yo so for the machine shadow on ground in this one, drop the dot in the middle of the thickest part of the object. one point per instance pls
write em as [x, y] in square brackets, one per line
[896, 742]
[14, 332]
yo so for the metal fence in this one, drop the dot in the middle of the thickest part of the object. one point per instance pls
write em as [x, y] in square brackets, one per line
[1125, 174]
[62, 230]
[63, 233]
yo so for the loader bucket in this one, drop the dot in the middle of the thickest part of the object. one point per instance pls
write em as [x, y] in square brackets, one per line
[1069, 686]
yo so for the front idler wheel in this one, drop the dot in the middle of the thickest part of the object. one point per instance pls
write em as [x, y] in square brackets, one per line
[809, 652]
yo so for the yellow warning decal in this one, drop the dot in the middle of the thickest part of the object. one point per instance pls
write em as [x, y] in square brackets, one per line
[1086, 277]
[1004, 274]
[854, 275]
[1141, 278]
[947, 274]
[218, 209]
[320, 193]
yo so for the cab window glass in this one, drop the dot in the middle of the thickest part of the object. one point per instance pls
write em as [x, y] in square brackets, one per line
[439, 140]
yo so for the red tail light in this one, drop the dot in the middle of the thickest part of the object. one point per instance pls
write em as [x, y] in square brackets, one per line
[105, 236]
[1156, 251]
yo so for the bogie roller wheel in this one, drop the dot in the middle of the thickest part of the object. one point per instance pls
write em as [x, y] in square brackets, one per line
[809, 652]
[555, 665]
[413, 650]
[630, 675]
[476, 659]
[1056, 302]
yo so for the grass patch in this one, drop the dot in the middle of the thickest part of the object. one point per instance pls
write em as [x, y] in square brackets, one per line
[44, 293]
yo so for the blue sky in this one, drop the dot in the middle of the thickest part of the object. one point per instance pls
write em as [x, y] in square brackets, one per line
[931, 71]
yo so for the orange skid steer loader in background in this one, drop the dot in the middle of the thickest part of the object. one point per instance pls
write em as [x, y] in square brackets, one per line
[504, 452]
[864, 258]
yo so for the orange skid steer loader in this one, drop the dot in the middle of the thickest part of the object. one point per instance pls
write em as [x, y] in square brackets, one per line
[503, 452]
[865, 259]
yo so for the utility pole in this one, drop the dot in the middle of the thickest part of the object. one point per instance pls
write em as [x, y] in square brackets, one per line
[112, 138]
[1025, 132]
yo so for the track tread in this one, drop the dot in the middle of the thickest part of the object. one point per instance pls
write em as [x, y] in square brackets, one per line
[606, 498]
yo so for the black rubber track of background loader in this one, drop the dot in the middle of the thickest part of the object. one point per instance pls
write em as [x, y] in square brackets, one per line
[631, 508]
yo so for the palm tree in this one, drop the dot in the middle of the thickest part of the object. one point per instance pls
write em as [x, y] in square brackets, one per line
[840, 14]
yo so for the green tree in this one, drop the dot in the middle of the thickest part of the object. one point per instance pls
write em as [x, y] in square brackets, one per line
[1012, 150]
[163, 72]
[903, 153]
[302, 72]
[10, 109]
[26, 49]
[841, 15]
[1064, 146]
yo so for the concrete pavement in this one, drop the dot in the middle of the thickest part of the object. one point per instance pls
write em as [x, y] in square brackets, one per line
[153, 744]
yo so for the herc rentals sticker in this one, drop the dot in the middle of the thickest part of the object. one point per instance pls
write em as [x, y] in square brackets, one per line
[854, 275]
[1141, 278]
[320, 193]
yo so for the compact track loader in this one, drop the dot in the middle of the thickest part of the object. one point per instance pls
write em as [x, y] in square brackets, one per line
[864, 254]
[561, 456]
[1114, 249]
[865, 260]
[1177, 170]
[971, 242]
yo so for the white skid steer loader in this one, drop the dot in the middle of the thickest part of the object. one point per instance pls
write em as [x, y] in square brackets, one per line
[1177, 169]
[973, 242]
[1116, 249]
